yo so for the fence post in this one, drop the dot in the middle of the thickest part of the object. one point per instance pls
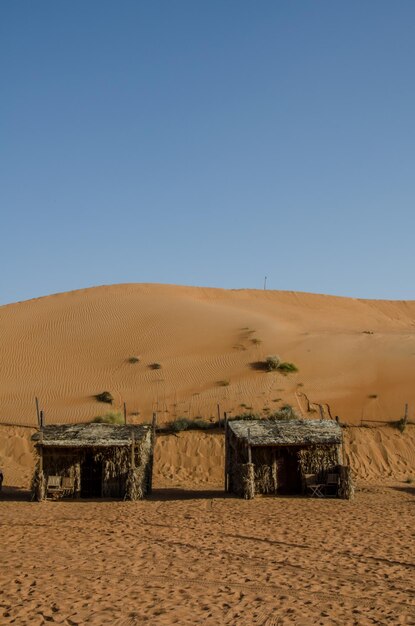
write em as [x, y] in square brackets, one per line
[37, 411]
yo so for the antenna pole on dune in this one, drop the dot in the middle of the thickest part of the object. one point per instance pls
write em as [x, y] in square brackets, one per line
[265, 283]
[125, 413]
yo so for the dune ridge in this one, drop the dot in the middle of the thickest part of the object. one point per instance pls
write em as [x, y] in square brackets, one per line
[356, 357]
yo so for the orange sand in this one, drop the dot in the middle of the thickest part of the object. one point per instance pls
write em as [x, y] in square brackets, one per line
[67, 347]
[210, 560]
[189, 555]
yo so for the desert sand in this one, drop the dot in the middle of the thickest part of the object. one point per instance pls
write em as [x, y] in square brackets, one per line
[356, 358]
[189, 554]
[201, 558]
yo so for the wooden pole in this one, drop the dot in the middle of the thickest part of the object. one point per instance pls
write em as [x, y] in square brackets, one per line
[37, 411]
[226, 454]
[41, 419]
[219, 415]
[132, 451]
[153, 443]
[40, 495]
[125, 413]
[249, 446]
[40, 452]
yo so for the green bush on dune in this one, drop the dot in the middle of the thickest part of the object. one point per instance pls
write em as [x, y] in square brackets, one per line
[112, 417]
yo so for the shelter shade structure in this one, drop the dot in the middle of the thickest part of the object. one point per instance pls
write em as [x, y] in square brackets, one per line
[278, 457]
[102, 460]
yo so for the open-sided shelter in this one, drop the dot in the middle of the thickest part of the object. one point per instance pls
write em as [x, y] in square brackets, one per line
[100, 460]
[276, 456]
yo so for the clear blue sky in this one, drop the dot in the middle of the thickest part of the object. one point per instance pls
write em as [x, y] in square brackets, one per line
[208, 143]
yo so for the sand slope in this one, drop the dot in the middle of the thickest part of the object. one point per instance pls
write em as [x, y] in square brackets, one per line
[356, 356]
[195, 460]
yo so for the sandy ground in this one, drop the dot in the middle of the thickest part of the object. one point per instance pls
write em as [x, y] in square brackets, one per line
[356, 357]
[202, 558]
[190, 555]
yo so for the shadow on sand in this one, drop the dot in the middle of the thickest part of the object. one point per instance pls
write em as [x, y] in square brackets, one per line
[165, 494]
[15, 494]
[408, 489]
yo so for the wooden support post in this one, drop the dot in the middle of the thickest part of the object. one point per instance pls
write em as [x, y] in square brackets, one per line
[125, 413]
[40, 452]
[132, 450]
[40, 493]
[219, 415]
[274, 470]
[37, 411]
[42, 423]
[249, 446]
[153, 443]
[226, 455]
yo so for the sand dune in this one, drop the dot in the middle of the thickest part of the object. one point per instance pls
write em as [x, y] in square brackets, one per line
[355, 356]
[189, 554]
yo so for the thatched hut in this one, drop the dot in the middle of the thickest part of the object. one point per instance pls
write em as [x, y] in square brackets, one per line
[279, 456]
[98, 460]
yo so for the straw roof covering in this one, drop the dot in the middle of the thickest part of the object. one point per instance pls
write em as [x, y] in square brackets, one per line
[287, 432]
[89, 435]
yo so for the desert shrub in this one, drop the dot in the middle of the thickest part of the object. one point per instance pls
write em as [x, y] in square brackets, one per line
[104, 396]
[181, 423]
[201, 425]
[256, 341]
[133, 359]
[272, 362]
[112, 417]
[287, 368]
[373, 396]
[155, 366]
[223, 383]
[184, 423]
[410, 480]
[286, 412]
[245, 416]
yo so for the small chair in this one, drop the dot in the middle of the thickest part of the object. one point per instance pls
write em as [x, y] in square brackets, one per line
[313, 488]
[332, 485]
[53, 487]
[68, 486]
